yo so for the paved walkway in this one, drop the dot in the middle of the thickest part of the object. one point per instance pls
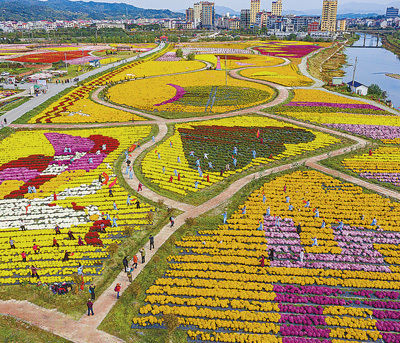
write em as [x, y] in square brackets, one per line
[85, 330]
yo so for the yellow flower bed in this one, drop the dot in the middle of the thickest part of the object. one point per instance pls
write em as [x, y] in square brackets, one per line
[78, 186]
[248, 61]
[315, 95]
[77, 107]
[216, 285]
[144, 94]
[153, 68]
[152, 165]
[288, 75]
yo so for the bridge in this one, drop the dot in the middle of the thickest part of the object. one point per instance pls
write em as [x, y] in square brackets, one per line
[375, 46]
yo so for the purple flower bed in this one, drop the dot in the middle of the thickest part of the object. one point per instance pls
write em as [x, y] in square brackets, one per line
[168, 57]
[20, 174]
[326, 104]
[290, 51]
[371, 131]
[180, 92]
[393, 178]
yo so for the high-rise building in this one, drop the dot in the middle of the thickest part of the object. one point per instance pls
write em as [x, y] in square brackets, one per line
[329, 14]
[197, 14]
[190, 15]
[207, 15]
[277, 8]
[254, 9]
[245, 19]
[342, 25]
[392, 12]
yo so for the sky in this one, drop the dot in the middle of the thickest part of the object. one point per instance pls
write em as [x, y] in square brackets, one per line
[239, 4]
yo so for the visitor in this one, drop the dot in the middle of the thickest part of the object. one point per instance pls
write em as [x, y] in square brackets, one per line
[57, 228]
[115, 206]
[271, 254]
[137, 204]
[129, 274]
[302, 255]
[55, 243]
[172, 221]
[34, 272]
[110, 193]
[12, 243]
[225, 216]
[66, 257]
[135, 261]
[36, 248]
[92, 287]
[315, 242]
[89, 305]
[125, 263]
[70, 235]
[323, 224]
[143, 255]
[374, 222]
[114, 222]
[287, 199]
[298, 229]
[151, 239]
[23, 255]
[80, 241]
[80, 269]
[140, 187]
[117, 289]
[128, 200]
[262, 261]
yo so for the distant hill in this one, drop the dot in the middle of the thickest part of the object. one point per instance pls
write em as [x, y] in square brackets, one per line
[31, 10]
[222, 10]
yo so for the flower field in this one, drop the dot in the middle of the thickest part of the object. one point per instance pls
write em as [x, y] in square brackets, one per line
[154, 68]
[286, 49]
[51, 178]
[165, 97]
[77, 107]
[198, 153]
[345, 288]
[288, 75]
[328, 102]
[239, 60]
[382, 164]
[51, 57]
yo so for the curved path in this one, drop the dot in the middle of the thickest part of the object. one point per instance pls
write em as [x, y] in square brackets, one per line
[85, 330]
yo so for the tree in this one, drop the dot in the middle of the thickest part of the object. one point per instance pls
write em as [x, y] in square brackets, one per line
[376, 91]
[179, 53]
[292, 36]
[191, 57]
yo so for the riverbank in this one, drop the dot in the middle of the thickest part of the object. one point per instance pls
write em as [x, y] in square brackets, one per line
[394, 76]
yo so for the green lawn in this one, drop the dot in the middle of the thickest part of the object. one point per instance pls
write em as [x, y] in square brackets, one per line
[17, 331]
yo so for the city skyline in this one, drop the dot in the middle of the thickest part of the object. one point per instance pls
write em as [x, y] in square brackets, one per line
[237, 5]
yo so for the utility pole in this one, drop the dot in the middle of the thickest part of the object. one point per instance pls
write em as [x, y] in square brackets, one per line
[226, 72]
[354, 72]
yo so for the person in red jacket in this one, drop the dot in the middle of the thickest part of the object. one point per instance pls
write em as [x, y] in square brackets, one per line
[117, 289]
[55, 243]
[23, 255]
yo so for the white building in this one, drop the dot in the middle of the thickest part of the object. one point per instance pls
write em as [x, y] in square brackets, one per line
[358, 88]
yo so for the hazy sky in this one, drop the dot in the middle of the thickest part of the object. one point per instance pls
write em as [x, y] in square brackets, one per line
[239, 4]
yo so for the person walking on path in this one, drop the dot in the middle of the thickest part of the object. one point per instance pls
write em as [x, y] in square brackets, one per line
[225, 215]
[129, 274]
[135, 261]
[143, 255]
[117, 289]
[172, 221]
[140, 187]
[91, 291]
[12, 243]
[151, 239]
[125, 263]
[90, 307]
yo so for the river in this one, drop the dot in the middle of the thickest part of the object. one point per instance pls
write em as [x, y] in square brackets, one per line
[372, 67]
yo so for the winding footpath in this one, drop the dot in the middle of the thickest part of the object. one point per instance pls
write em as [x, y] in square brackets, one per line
[85, 329]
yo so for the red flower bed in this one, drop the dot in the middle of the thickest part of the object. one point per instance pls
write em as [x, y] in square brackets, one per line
[232, 57]
[51, 57]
